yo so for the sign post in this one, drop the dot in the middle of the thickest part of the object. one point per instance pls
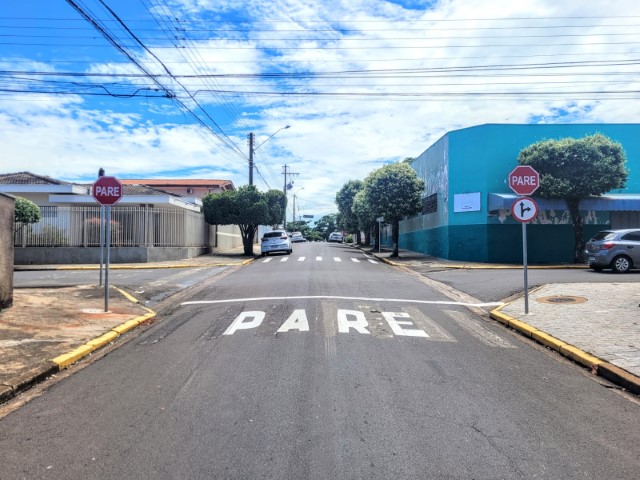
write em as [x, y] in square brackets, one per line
[524, 180]
[107, 191]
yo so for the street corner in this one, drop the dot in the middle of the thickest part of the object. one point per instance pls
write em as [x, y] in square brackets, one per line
[44, 323]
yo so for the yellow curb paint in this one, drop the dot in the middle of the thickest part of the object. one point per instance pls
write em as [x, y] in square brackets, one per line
[500, 317]
[580, 356]
[522, 327]
[247, 262]
[126, 326]
[103, 339]
[73, 356]
[547, 340]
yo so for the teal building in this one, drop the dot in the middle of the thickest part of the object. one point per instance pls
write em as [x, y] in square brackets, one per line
[467, 201]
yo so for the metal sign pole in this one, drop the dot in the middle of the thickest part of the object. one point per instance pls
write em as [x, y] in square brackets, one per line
[524, 262]
[101, 242]
[106, 271]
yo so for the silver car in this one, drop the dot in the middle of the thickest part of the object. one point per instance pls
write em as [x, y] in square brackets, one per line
[275, 241]
[618, 250]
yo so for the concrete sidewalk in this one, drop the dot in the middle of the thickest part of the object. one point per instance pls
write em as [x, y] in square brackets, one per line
[596, 325]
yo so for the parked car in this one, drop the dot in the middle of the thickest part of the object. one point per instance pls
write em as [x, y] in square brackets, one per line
[275, 241]
[618, 250]
[335, 237]
[297, 237]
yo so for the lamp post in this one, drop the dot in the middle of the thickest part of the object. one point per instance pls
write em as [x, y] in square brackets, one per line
[294, 203]
[252, 149]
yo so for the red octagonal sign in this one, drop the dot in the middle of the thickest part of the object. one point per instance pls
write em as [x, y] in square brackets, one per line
[107, 190]
[524, 180]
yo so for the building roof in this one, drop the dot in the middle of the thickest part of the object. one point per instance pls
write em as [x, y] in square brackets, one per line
[179, 182]
[28, 178]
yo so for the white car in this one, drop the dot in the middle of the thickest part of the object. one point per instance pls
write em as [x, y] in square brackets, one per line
[275, 241]
[335, 237]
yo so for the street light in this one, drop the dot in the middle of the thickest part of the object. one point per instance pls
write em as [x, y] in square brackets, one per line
[294, 203]
[252, 149]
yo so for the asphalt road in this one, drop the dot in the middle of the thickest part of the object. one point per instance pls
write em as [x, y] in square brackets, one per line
[317, 366]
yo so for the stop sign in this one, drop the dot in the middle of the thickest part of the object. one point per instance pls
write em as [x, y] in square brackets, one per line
[524, 180]
[107, 190]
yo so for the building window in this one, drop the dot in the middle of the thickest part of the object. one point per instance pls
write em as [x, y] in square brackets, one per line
[430, 204]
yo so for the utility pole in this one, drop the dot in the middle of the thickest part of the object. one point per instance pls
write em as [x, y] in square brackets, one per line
[287, 186]
[251, 150]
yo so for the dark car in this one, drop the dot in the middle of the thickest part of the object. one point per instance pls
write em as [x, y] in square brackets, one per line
[618, 250]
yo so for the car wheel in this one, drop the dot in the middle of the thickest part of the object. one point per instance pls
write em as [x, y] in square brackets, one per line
[289, 252]
[263, 254]
[621, 264]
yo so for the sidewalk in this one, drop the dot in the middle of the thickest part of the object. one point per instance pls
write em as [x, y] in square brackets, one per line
[596, 325]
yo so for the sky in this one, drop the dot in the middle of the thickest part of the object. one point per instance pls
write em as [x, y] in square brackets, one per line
[172, 88]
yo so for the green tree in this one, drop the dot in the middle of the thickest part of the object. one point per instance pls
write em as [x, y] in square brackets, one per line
[27, 212]
[394, 192]
[365, 216]
[325, 225]
[574, 169]
[344, 199]
[247, 208]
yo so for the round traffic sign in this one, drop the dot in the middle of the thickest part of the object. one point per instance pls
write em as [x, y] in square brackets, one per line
[524, 209]
[107, 190]
[524, 180]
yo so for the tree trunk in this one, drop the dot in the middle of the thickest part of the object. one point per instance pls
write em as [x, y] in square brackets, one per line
[367, 237]
[395, 235]
[578, 248]
[248, 233]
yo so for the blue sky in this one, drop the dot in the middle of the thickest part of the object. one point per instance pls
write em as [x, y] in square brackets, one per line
[181, 83]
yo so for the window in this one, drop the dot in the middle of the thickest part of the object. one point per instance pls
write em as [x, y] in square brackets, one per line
[632, 236]
[430, 204]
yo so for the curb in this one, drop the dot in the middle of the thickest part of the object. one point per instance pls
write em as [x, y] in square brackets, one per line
[25, 268]
[14, 386]
[610, 372]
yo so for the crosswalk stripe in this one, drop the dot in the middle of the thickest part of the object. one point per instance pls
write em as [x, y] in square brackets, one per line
[284, 259]
[372, 261]
[355, 260]
[477, 330]
[267, 260]
[301, 259]
[318, 259]
[337, 259]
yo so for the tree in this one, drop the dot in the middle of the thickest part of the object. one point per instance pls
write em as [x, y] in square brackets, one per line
[27, 212]
[394, 192]
[574, 169]
[247, 208]
[365, 216]
[344, 200]
[325, 225]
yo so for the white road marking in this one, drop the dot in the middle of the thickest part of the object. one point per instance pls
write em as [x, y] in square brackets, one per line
[318, 259]
[267, 260]
[284, 259]
[335, 297]
[296, 321]
[436, 332]
[397, 325]
[355, 260]
[477, 330]
[372, 261]
[301, 259]
[337, 259]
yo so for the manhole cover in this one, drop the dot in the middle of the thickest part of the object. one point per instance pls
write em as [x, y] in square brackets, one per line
[561, 299]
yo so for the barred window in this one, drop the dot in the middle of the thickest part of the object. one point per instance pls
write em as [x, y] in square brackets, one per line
[430, 204]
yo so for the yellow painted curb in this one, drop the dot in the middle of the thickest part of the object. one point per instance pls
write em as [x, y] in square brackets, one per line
[102, 340]
[580, 357]
[73, 356]
[548, 340]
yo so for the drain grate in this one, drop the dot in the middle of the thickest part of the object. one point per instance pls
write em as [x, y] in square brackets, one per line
[564, 299]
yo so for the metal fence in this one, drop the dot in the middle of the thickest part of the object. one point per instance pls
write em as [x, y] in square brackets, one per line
[130, 227]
